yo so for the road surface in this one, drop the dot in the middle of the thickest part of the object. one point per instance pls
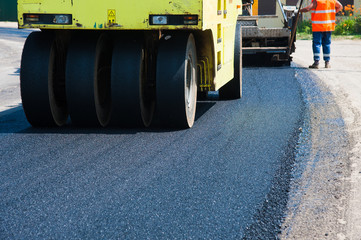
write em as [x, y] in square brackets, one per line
[342, 84]
[259, 167]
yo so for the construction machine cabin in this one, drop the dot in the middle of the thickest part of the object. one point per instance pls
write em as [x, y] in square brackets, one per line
[112, 63]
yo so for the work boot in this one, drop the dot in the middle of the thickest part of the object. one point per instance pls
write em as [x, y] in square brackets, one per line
[327, 64]
[315, 65]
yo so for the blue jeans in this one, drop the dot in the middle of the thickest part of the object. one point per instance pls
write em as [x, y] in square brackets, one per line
[321, 39]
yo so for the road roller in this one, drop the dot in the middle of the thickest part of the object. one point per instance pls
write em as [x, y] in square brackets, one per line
[118, 63]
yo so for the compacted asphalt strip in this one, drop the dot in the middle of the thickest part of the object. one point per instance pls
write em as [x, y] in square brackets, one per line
[206, 182]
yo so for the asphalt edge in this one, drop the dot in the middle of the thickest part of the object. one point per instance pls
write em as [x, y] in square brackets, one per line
[268, 220]
[306, 217]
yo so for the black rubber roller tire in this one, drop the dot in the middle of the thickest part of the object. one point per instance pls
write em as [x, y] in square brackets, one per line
[177, 80]
[102, 84]
[42, 80]
[133, 81]
[233, 89]
[88, 80]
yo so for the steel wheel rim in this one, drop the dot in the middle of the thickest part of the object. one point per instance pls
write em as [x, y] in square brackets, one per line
[189, 83]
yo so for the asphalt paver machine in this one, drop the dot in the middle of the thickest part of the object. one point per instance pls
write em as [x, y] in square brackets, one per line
[269, 38]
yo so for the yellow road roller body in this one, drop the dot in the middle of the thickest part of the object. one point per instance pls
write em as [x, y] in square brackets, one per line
[175, 49]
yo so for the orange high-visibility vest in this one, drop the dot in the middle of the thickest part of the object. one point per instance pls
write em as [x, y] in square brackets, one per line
[324, 16]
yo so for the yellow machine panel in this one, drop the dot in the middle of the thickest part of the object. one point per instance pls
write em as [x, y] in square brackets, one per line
[120, 14]
[94, 14]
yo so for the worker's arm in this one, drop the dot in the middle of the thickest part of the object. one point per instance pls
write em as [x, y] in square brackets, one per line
[313, 5]
[338, 6]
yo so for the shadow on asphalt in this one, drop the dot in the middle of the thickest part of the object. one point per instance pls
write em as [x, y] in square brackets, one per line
[16, 72]
[7, 33]
[14, 121]
[262, 60]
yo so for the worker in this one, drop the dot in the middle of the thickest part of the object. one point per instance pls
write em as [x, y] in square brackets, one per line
[323, 17]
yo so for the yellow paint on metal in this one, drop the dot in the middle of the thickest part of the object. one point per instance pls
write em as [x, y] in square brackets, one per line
[255, 8]
[88, 13]
[204, 74]
[111, 17]
[95, 14]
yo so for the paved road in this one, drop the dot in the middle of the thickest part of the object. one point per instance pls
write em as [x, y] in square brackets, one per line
[226, 178]
[326, 198]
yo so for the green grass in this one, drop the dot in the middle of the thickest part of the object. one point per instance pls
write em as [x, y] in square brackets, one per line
[304, 36]
[307, 36]
[343, 37]
[346, 28]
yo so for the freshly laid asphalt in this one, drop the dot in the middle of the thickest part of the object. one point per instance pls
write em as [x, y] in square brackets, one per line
[209, 182]
[273, 165]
